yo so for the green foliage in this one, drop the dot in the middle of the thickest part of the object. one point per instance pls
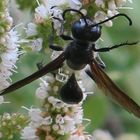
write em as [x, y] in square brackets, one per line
[27, 4]
[44, 31]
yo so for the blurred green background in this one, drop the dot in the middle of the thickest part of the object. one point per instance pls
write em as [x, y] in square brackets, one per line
[123, 66]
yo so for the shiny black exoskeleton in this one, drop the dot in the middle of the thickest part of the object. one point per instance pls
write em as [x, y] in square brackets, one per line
[85, 33]
[78, 54]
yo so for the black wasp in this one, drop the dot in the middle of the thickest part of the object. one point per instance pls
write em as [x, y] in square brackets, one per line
[78, 54]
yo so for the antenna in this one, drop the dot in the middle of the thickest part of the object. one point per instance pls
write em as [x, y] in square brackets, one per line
[124, 15]
[74, 10]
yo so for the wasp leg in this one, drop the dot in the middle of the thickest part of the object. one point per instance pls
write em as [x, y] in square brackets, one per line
[114, 47]
[66, 37]
[53, 46]
[40, 65]
[56, 47]
[88, 72]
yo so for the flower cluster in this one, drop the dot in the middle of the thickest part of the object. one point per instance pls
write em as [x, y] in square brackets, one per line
[108, 9]
[9, 43]
[38, 32]
[57, 119]
[11, 125]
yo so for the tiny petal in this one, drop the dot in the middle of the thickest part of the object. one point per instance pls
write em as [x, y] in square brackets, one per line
[100, 3]
[31, 29]
[37, 44]
[76, 4]
[112, 5]
[29, 133]
[41, 11]
[35, 114]
[41, 93]
[47, 120]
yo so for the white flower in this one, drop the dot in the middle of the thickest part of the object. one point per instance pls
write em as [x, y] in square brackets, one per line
[112, 13]
[59, 104]
[77, 114]
[111, 5]
[29, 133]
[41, 93]
[37, 44]
[31, 29]
[35, 114]
[57, 24]
[56, 12]
[3, 82]
[75, 4]
[100, 3]
[55, 102]
[59, 119]
[48, 79]
[42, 11]
[50, 3]
[66, 123]
[12, 39]
[46, 121]
[51, 100]
[100, 16]
[69, 125]
[9, 57]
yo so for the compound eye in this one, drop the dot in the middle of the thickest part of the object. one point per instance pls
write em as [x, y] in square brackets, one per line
[94, 33]
[78, 28]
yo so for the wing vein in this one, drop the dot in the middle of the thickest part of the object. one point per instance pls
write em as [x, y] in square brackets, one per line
[107, 85]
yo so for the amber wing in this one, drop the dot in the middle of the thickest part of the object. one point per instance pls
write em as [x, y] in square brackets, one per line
[107, 85]
[55, 64]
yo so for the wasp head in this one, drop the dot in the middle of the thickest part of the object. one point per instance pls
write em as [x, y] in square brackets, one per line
[82, 30]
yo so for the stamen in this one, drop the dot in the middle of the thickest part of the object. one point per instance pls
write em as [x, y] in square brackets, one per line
[38, 2]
